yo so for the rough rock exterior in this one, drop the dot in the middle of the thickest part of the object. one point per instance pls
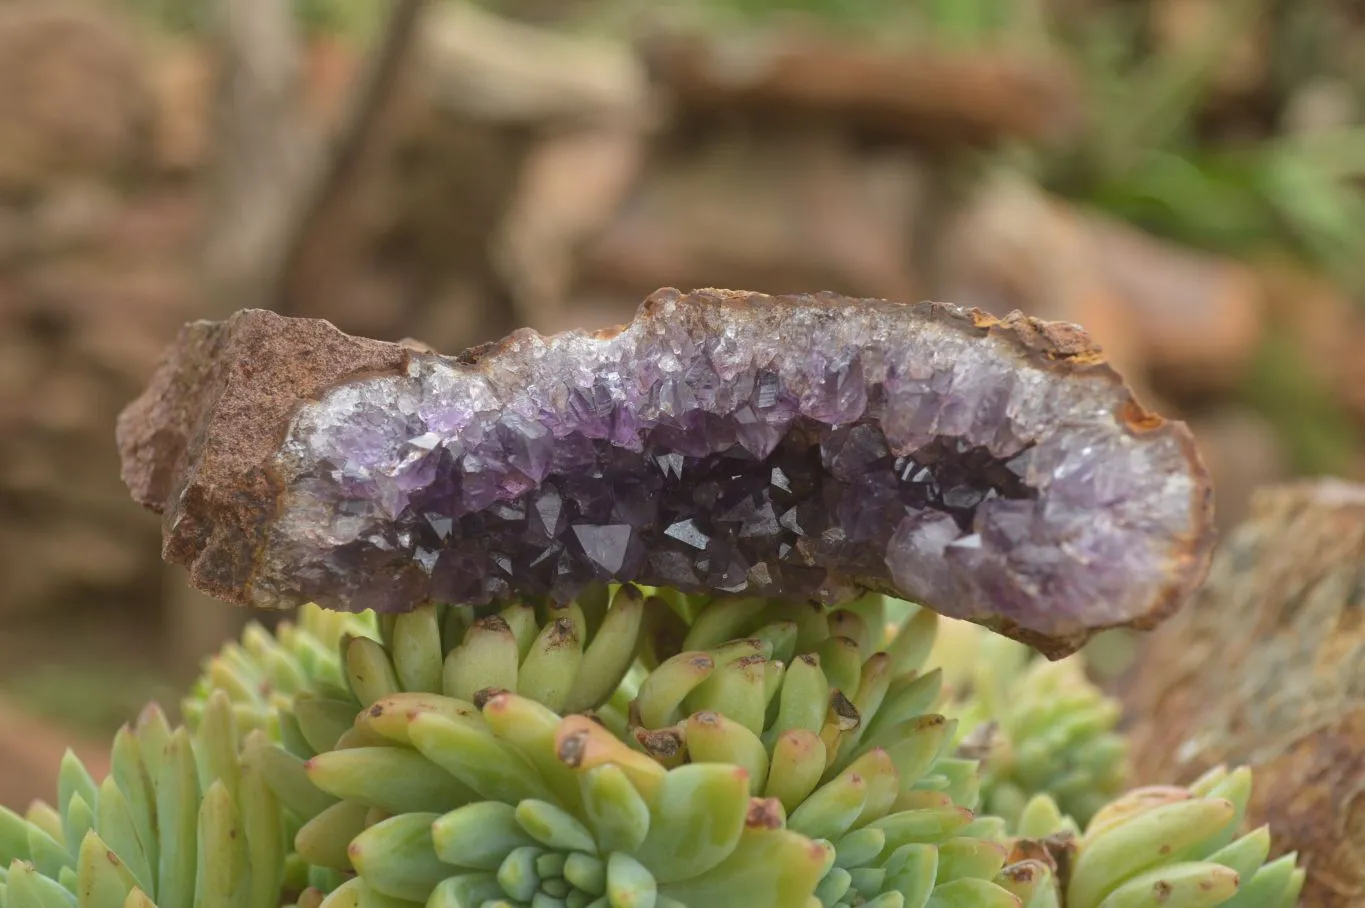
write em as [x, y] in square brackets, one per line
[801, 447]
[1265, 667]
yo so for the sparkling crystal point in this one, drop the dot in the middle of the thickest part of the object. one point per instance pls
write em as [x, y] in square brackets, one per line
[605, 546]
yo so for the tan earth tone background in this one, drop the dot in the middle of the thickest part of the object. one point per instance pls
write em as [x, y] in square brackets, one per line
[1181, 177]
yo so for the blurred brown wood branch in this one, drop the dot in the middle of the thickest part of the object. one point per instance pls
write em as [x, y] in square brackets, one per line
[936, 99]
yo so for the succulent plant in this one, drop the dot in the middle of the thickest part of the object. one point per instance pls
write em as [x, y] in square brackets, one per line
[825, 714]
[442, 776]
[262, 673]
[813, 757]
[452, 804]
[837, 804]
[1162, 846]
[511, 800]
[753, 754]
[756, 700]
[305, 687]
[1036, 726]
[182, 820]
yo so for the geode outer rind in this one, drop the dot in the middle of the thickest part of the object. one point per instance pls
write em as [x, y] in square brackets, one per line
[802, 447]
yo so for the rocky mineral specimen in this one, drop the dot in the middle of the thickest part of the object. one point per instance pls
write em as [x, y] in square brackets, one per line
[797, 447]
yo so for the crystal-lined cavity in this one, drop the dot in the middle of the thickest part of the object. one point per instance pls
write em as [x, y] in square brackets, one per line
[729, 521]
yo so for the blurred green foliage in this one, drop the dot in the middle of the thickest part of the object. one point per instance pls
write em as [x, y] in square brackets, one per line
[315, 17]
[94, 695]
[1141, 156]
[1318, 437]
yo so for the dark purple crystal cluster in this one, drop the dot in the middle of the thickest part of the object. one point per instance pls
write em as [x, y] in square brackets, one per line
[799, 447]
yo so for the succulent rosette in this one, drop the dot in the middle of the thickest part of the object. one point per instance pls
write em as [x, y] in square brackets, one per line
[1036, 726]
[1164, 845]
[634, 747]
[183, 819]
[849, 807]
[438, 791]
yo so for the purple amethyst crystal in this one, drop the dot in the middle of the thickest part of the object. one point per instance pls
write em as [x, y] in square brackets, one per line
[729, 443]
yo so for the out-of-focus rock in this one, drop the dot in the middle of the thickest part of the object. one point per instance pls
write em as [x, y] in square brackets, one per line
[1200, 316]
[77, 337]
[71, 215]
[1243, 453]
[784, 214]
[568, 193]
[486, 68]
[1323, 323]
[182, 80]
[1197, 28]
[1190, 323]
[1264, 667]
[92, 285]
[74, 99]
[793, 160]
[919, 96]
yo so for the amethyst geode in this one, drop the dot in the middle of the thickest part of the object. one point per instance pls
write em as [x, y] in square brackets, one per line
[796, 447]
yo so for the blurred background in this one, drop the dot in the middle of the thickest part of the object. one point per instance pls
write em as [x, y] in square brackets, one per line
[1181, 177]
